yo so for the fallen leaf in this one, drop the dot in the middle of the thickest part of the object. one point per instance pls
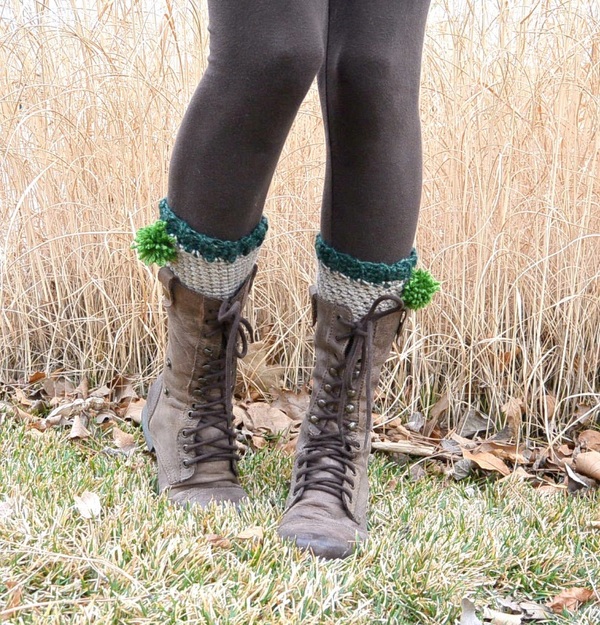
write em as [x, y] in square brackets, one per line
[577, 481]
[264, 418]
[123, 440]
[416, 422]
[294, 405]
[461, 469]
[440, 406]
[83, 388]
[88, 504]
[101, 391]
[590, 440]
[513, 409]
[468, 616]
[134, 410]
[36, 377]
[535, 611]
[504, 451]
[487, 461]
[472, 423]
[61, 414]
[218, 541]
[588, 464]
[501, 618]
[252, 533]
[122, 389]
[570, 599]
[417, 473]
[78, 429]
[58, 386]
[105, 416]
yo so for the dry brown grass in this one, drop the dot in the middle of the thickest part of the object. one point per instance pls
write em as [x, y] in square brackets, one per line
[89, 108]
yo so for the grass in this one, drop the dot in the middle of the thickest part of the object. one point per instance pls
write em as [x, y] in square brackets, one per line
[90, 103]
[433, 542]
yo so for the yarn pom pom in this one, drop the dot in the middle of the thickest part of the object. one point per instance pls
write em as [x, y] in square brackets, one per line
[154, 244]
[419, 290]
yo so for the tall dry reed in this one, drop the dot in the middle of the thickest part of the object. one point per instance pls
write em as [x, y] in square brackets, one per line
[90, 101]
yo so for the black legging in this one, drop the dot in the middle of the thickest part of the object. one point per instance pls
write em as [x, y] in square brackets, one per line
[264, 55]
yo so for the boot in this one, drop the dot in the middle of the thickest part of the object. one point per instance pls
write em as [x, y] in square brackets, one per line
[327, 505]
[188, 416]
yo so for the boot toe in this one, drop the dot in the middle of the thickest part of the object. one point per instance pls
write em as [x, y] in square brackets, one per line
[204, 497]
[334, 543]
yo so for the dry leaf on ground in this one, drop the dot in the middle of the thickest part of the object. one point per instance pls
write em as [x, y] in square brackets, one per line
[88, 504]
[588, 464]
[134, 410]
[570, 599]
[501, 618]
[590, 440]
[472, 423]
[295, 405]
[261, 417]
[513, 410]
[487, 461]
[218, 541]
[78, 429]
[122, 389]
[468, 616]
[123, 440]
[252, 533]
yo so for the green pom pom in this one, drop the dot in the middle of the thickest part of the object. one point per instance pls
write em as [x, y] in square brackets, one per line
[154, 244]
[419, 290]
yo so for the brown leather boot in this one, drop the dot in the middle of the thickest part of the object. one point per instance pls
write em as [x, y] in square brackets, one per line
[188, 416]
[327, 505]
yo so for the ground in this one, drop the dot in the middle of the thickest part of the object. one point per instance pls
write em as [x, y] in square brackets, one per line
[433, 542]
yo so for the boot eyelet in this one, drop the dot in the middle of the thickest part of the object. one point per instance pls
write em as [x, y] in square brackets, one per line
[313, 418]
[321, 403]
[350, 408]
[327, 388]
[185, 433]
[190, 414]
[352, 426]
[208, 351]
[185, 448]
[186, 463]
[206, 367]
[351, 393]
[169, 363]
[333, 371]
[166, 391]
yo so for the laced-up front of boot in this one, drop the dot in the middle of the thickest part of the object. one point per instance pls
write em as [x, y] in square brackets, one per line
[328, 497]
[213, 437]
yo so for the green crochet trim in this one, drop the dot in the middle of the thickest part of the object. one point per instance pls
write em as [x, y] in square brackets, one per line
[154, 244]
[375, 273]
[419, 290]
[210, 248]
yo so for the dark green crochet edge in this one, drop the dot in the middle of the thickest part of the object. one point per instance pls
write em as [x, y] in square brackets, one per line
[375, 273]
[210, 248]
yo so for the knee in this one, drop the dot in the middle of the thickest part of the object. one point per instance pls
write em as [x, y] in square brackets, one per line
[376, 76]
[288, 67]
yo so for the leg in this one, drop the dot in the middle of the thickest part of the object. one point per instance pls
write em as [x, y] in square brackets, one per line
[264, 55]
[369, 89]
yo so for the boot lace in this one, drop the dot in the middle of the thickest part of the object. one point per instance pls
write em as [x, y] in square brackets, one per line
[214, 409]
[337, 416]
